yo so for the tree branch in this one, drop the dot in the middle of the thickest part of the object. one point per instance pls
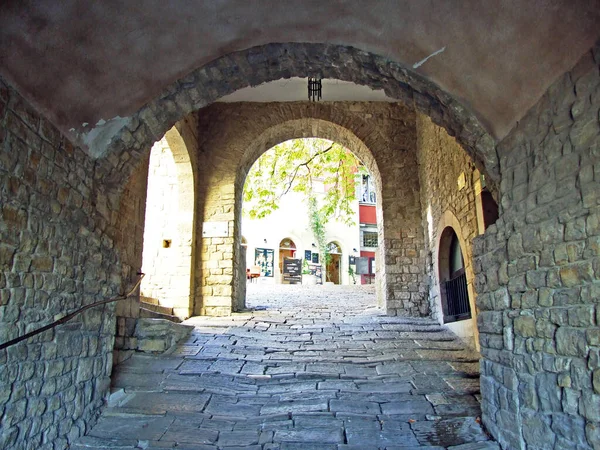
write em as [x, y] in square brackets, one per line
[305, 164]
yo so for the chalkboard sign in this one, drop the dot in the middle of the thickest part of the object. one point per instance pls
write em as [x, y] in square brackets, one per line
[292, 271]
[362, 265]
[315, 258]
[307, 255]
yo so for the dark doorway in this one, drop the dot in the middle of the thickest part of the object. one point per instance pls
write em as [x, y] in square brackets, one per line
[453, 279]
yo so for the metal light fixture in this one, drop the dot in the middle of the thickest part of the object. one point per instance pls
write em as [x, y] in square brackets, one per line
[314, 89]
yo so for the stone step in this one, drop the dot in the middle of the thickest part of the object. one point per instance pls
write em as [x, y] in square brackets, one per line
[150, 300]
[148, 313]
[156, 307]
[117, 397]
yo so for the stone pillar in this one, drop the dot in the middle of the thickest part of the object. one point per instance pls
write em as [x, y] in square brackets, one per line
[402, 270]
[217, 254]
[240, 292]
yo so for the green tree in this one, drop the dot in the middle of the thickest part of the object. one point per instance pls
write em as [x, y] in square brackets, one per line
[294, 166]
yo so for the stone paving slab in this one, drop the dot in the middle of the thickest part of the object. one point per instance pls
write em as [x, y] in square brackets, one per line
[312, 368]
[169, 401]
[91, 442]
[449, 432]
[293, 407]
[122, 428]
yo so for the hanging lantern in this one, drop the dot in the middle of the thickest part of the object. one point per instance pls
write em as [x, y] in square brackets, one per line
[314, 89]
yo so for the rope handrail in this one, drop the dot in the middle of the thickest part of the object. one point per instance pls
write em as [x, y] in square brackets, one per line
[71, 315]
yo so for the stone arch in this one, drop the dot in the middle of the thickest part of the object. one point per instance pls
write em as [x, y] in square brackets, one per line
[272, 62]
[314, 126]
[449, 221]
[169, 269]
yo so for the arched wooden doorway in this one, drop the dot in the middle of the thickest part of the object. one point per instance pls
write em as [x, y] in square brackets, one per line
[287, 249]
[334, 263]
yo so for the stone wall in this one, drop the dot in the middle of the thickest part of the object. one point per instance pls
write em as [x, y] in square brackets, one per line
[537, 274]
[215, 274]
[168, 231]
[129, 238]
[55, 256]
[383, 135]
[161, 239]
[442, 165]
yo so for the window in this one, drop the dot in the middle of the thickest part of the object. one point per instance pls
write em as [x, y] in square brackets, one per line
[369, 239]
[490, 208]
[367, 194]
[334, 248]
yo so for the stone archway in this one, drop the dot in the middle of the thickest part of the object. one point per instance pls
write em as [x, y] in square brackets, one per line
[169, 226]
[326, 129]
[448, 225]
[119, 149]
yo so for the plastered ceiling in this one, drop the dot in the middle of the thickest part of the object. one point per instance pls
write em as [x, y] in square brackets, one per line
[82, 61]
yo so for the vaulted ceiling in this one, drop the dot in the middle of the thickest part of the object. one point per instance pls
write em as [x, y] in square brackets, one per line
[81, 61]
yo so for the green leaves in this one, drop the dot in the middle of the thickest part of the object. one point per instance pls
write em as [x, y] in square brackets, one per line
[297, 166]
[317, 225]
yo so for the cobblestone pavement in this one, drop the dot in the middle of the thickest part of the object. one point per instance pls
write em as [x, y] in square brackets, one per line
[308, 367]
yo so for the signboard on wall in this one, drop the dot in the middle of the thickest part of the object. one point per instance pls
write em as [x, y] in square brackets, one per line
[215, 229]
[315, 258]
[292, 271]
[362, 265]
[307, 255]
[263, 257]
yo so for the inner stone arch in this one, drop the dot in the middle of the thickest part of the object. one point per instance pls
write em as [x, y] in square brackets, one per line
[304, 128]
[309, 127]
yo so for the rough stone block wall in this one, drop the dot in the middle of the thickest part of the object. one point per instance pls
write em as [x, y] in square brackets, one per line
[129, 238]
[233, 136]
[55, 256]
[442, 161]
[128, 225]
[538, 271]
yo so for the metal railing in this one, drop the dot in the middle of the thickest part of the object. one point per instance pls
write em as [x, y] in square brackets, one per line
[71, 315]
[457, 299]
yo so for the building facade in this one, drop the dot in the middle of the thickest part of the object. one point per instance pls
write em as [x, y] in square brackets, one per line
[286, 233]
